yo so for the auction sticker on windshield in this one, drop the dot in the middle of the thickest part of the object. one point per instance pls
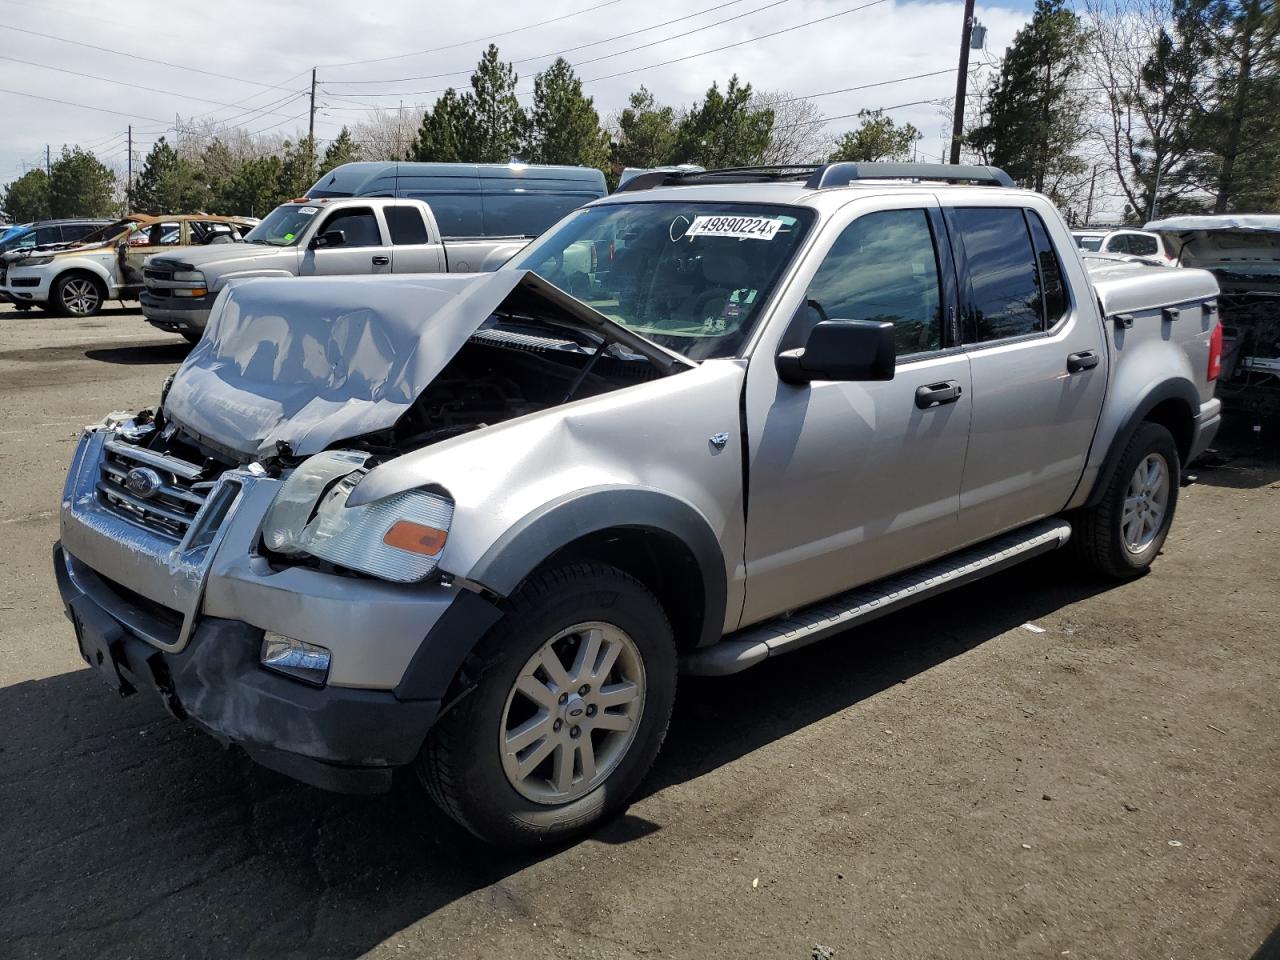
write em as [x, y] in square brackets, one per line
[743, 228]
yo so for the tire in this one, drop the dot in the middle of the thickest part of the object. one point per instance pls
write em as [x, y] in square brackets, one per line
[191, 336]
[465, 764]
[1114, 537]
[77, 295]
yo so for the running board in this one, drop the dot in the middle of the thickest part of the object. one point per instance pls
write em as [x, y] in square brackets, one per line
[752, 645]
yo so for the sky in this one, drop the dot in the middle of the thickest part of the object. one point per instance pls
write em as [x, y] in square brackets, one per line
[250, 62]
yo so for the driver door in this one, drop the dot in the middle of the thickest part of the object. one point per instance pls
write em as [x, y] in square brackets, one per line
[852, 481]
[365, 247]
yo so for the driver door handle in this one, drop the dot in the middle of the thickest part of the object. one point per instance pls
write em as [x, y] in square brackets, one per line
[381, 261]
[1086, 360]
[936, 394]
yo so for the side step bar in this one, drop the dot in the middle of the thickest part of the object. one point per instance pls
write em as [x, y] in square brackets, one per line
[752, 645]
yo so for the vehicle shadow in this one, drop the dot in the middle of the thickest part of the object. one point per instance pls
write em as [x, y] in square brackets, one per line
[129, 834]
[142, 353]
[1240, 459]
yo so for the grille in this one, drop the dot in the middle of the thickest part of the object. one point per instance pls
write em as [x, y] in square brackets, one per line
[169, 507]
[164, 276]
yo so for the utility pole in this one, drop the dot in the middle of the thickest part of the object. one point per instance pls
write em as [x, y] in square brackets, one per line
[311, 128]
[128, 181]
[962, 82]
[48, 179]
[1088, 207]
[1155, 194]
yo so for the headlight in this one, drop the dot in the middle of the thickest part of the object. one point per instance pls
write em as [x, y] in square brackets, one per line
[34, 262]
[189, 276]
[398, 538]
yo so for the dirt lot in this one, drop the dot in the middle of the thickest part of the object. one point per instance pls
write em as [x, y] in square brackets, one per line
[949, 782]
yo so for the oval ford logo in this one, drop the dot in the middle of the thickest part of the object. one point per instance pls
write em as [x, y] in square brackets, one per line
[143, 482]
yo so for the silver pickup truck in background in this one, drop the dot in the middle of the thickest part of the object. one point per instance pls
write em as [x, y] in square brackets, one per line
[305, 238]
[474, 525]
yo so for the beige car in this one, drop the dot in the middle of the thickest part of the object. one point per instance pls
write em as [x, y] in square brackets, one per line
[76, 279]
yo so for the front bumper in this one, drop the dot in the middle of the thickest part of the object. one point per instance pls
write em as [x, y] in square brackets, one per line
[186, 620]
[18, 286]
[176, 314]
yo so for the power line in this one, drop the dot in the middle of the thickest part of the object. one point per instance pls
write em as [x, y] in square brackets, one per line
[122, 83]
[581, 46]
[868, 86]
[135, 56]
[85, 106]
[465, 43]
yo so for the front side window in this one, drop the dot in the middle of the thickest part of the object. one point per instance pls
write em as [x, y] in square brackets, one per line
[883, 267]
[406, 225]
[48, 235]
[1118, 243]
[359, 227]
[154, 235]
[691, 276]
[1004, 285]
[1143, 245]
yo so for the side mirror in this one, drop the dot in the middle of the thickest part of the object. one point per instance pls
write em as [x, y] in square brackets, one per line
[330, 238]
[841, 350]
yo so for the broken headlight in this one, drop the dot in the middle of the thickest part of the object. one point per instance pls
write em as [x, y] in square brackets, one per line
[398, 538]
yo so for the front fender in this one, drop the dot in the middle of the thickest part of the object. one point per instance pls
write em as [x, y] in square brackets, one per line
[539, 535]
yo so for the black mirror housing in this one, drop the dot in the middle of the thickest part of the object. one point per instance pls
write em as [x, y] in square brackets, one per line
[330, 238]
[842, 350]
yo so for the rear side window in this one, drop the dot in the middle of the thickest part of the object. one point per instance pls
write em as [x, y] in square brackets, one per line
[1004, 285]
[457, 214]
[74, 231]
[406, 225]
[884, 267]
[359, 226]
[525, 214]
[1143, 246]
[1118, 244]
[1053, 288]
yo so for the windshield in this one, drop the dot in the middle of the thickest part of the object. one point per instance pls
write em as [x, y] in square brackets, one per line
[1092, 244]
[283, 225]
[692, 277]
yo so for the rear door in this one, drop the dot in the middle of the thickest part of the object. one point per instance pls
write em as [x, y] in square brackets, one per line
[852, 481]
[1038, 362]
[414, 247]
[364, 247]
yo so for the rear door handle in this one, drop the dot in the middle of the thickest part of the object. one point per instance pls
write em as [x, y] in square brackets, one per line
[381, 261]
[936, 394]
[1086, 360]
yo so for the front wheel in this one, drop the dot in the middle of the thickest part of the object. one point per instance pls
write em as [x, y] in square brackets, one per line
[574, 694]
[77, 295]
[1122, 534]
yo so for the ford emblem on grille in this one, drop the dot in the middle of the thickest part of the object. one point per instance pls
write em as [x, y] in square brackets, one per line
[143, 482]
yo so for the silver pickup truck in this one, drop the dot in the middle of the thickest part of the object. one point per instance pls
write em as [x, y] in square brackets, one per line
[313, 238]
[475, 525]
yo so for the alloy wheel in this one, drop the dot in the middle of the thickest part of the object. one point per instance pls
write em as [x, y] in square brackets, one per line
[1145, 503]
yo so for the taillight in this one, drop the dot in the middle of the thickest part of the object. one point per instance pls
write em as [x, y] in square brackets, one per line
[595, 259]
[1215, 351]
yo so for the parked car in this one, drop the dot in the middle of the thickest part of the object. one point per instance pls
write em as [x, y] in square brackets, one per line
[303, 238]
[1138, 243]
[43, 233]
[75, 278]
[474, 525]
[1243, 252]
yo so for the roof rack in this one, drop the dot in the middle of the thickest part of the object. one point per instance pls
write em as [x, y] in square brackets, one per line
[818, 176]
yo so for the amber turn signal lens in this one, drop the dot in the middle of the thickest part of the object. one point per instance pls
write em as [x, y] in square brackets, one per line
[415, 537]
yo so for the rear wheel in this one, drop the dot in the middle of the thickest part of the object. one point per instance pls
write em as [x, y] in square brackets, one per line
[574, 694]
[1122, 534]
[77, 295]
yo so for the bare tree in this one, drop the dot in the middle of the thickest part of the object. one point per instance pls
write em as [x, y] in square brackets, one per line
[387, 134]
[798, 134]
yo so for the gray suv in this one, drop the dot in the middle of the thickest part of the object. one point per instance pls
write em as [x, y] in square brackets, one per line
[475, 525]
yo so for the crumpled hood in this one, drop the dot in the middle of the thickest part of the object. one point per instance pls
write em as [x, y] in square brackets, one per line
[313, 360]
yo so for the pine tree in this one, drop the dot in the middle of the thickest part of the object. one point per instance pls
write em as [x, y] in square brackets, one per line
[254, 189]
[448, 133]
[724, 130]
[646, 133]
[499, 119]
[297, 169]
[563, 124]
[1035, 117]
[341, 150]
[80, 186]
[168, 183]
[27, 198]
[877, 138]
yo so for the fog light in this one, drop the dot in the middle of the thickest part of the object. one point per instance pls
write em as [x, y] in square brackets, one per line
[295, 658]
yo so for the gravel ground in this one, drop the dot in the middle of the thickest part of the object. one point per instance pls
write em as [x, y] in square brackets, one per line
[1039, 765]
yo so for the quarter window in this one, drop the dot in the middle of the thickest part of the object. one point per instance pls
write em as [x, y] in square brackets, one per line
[359, 227]
[1143, 246]
[884, 267]
[1004, 285]
[406, 225]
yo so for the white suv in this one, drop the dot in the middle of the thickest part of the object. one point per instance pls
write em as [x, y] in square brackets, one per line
[1137, 243]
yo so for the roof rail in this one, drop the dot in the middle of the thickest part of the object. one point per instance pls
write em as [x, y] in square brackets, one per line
[842, 174]
[817, 176]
